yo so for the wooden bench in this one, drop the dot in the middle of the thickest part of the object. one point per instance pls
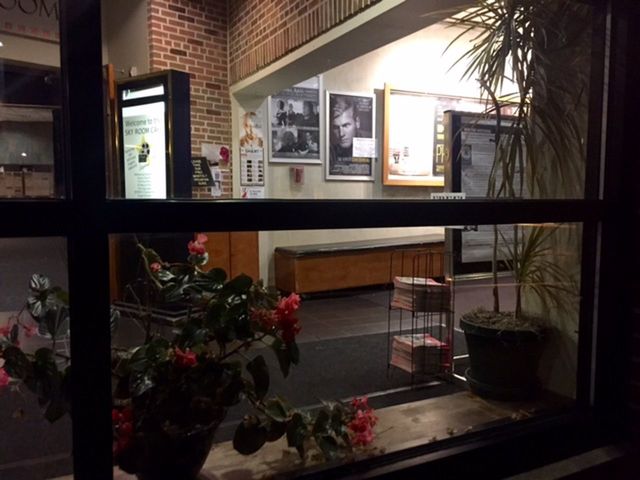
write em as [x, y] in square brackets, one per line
[336, 266]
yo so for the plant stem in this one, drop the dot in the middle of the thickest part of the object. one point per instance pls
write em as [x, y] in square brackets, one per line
[241, 346]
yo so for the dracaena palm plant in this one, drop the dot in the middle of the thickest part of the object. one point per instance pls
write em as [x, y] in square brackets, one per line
[539, 48]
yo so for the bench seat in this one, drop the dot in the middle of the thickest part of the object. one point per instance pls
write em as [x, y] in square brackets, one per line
[337, 266]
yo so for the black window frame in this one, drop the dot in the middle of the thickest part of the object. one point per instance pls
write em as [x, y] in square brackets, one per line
[86, 217]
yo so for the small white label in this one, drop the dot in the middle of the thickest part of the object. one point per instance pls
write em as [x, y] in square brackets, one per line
[252, 192]
[364, 147]
[448, 196]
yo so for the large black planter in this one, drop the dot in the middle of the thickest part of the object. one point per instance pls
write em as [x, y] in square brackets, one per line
[503, 363]
[164, 456]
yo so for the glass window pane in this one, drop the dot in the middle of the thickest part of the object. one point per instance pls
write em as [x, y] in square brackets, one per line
[35, 427]
[402, 316]
[31, 160]
[370, 124]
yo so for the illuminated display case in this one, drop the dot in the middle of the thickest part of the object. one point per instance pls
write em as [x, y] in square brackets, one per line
[154, 136]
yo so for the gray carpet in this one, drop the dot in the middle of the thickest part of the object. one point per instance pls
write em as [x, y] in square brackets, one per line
[343, 368]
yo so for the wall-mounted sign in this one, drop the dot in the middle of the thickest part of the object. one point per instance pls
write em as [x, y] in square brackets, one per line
[145, 162]
[31, 18]
[252, 149]
[202, 176]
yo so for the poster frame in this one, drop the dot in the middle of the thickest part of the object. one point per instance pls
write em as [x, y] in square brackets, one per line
[432, 180]
[272, 156]
[372, 160]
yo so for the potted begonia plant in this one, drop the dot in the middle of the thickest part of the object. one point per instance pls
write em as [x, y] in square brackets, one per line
[171, 394]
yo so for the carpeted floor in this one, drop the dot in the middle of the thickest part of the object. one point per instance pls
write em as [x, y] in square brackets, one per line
[342, 368]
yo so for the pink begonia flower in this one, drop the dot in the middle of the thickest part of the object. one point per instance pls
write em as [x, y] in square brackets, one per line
[286, 321]
[201, 238]
[185, 359]
[360, 403]
[5, 330]
[31, 330]
[155, 267]
[196, 248]
[4, 377]
[361, 427]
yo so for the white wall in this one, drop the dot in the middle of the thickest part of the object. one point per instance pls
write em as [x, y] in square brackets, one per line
[415, 63]
[125, 36]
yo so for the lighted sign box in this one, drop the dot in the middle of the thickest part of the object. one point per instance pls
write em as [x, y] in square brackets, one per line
[154, 136]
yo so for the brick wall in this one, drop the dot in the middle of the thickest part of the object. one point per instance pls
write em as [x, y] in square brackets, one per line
[262, 31]
[191, 36]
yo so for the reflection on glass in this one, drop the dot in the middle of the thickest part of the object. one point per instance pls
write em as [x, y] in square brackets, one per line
[34, 356]
[30, 104]
[400, 316]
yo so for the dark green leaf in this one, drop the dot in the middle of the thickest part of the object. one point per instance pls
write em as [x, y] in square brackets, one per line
[276, 410]
[216, 275]
[321, 423]
[240, 284]
[171, 292]
[294, 353]
[282, 353]
[140, 382]
[164, 275]
[275, 430]
[260, 373]
[139, 361]
[296, 433]
[328, 445]
[157, 350]
[56, 409]
[250, 436]
[39, 282]
[16, 363]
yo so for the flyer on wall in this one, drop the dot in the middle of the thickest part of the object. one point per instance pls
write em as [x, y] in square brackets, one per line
[252, 148]
[351, 144]
[294, 123]
[145, 157]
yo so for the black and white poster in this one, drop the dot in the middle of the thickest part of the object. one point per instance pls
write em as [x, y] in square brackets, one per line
[294, 119]
[351, 148]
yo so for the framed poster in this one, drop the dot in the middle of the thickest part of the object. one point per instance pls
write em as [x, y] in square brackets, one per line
[351, 148]
[413, 142]
[294, 123]
[252, 148]
[471, 141]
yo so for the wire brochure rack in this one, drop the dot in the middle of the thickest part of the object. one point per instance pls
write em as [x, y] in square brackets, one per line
[421, 306]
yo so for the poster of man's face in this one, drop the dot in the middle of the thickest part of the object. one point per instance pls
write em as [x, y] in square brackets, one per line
[295, 123]
[350, 122]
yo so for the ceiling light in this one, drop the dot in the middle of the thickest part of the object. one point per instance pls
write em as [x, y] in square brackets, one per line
[23, 154]
[1, 44]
